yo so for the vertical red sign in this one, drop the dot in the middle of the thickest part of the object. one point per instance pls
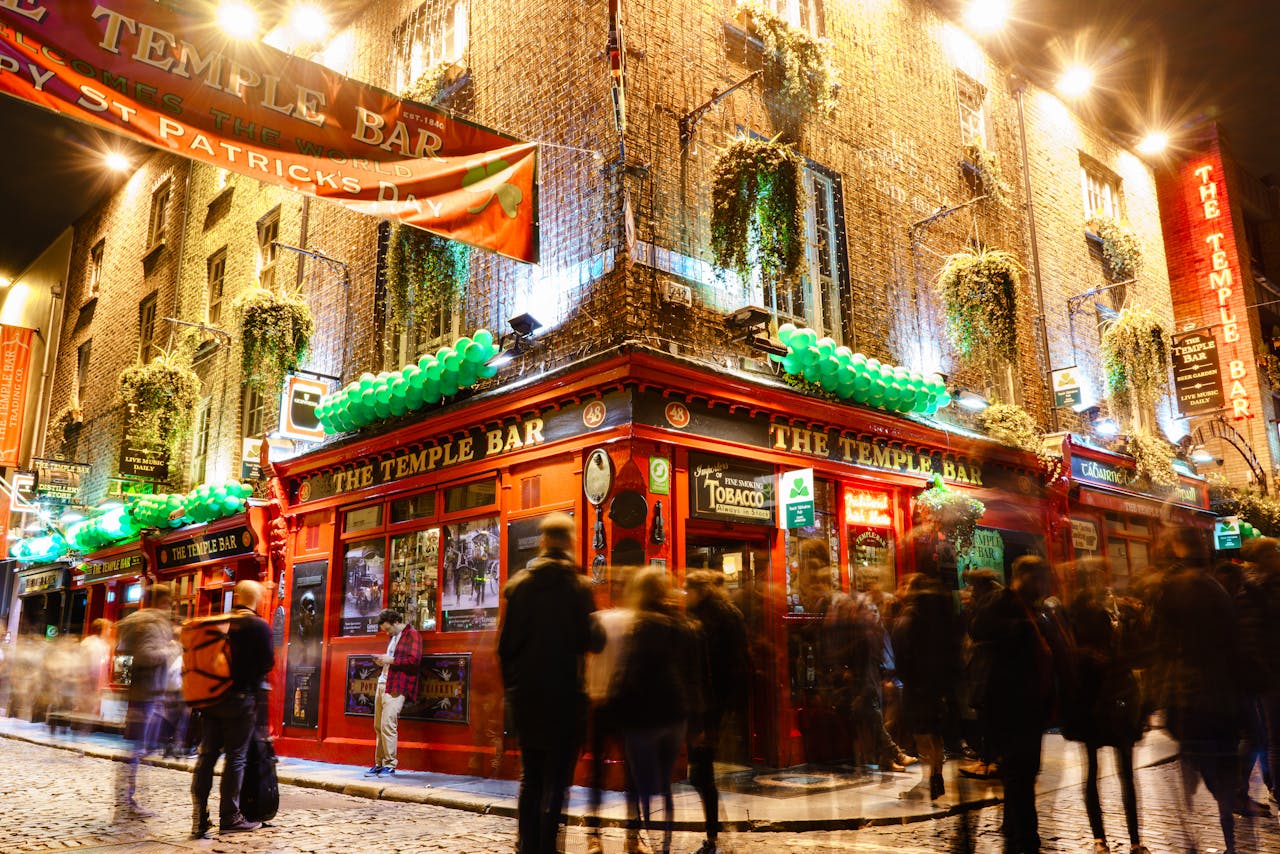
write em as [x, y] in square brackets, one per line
[15, 361]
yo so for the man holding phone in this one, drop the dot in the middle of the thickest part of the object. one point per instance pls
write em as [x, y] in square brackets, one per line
[397, 684]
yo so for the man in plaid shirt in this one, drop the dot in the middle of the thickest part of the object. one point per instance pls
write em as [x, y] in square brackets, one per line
[397, 684]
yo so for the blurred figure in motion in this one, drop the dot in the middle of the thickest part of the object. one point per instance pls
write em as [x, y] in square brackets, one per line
[1196, 672]
[545, 634]
[1018, 695]
[655, 695]
[147, 636]
[1261, 628]
[926, 642]
[1106, 709]
[980, 585]
[95, 648]
[723, 633]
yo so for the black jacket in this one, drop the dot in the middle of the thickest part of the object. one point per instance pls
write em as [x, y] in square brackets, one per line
[658, 678]
[545, 632]
[252, 656]
[724, 637]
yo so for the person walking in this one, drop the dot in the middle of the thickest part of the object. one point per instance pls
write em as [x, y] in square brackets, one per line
[655, 696]
[229, 723]
[397, 685]
[1018, 695]
[545, 632]
[723, 633]
[1105, 710]
[147, 636]
[1261, 629]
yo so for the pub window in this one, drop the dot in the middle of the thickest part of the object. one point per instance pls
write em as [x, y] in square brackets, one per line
[412, 587]
[147, 349]
[268, 250]
[1100, 188]
[254, 412]
[83, 353]
[435, 33]
[362, 519]
[364, 586]
[417, 507]
[809, 548]
[94, 283]
[971, 96]
[217, 267]
[471, 496]
[159, 223]
[470, 575]
[200, 442]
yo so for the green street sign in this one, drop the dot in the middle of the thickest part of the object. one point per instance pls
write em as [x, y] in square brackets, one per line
[797, 498]
[659, 475]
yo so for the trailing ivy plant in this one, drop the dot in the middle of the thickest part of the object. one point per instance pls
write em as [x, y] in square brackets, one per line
[1153, 458]
[160, 396]
[1120, 250]
[799, 75]
[1135, 359]
[425, 272]
[986, 163]
[980, 301]
[429, 85]
[1011, 425]
[757, 211]
[952, 513]
[275, 332]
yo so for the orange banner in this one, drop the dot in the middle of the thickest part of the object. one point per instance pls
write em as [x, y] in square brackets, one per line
[15, 362]
[167, 79]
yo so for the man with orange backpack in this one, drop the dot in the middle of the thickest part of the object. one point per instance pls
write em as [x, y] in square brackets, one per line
[230, 719]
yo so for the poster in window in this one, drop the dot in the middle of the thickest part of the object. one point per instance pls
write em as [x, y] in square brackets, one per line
[523, 542]
[306, 628]
[415, 568]
[470, 576]
[364, 581]
[987, 552]
[444, 688]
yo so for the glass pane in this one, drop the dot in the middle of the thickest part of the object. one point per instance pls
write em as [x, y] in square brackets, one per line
[813, 555]
[1138, 525]
[469, 496]
[1118, 557]
[364, 581]
[1139, 560]
[362, 519]
[1115, 522]
[871, 562]
[417, 507]
[415, 565]
[470, 576]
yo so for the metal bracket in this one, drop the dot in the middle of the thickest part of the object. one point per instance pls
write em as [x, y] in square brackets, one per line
[689, 121]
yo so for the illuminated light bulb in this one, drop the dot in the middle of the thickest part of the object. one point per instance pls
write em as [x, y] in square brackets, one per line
[308, 22]
[1075, 81]
[238, 20]
[117, 162]
[1153, 143]
[987, 16]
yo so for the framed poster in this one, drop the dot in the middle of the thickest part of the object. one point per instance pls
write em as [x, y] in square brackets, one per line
[363, 586]
[362, 685]
[444, 688]
[470, 576]
[415, 570]
[306, 628]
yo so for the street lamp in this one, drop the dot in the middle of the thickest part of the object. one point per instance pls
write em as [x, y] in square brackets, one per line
[238, 20]
[1075, 81]
[117, 162]
[987, 16]
[1153, 143]
[309, 23]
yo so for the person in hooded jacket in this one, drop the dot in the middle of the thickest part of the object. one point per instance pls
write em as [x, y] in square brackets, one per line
[546, 632]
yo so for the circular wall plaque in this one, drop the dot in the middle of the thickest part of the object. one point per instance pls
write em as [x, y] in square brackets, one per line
[597, 476]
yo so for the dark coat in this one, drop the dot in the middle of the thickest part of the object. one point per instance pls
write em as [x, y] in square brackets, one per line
[1019, 689]
[926, 643]
[546, 630]
[724, 637]
[658, 678]
[1105, 707]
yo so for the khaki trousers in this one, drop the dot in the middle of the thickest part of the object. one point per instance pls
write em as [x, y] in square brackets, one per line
[386, 722]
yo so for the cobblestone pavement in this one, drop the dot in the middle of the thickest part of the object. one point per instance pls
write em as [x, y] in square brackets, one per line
[56, 800]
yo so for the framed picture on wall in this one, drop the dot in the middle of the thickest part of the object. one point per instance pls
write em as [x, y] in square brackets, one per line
[470, 575]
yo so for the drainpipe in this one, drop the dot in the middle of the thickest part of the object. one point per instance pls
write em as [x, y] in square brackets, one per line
[51, 346]
[1035, 254]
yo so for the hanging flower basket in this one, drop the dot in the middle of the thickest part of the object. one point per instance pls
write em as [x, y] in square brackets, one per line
[980, 302]
[757, 213]
[954, 514]
[425, 273]
[1135, 357]
[799, 75]
[1120, 250]
[1153, 459]
[160, 397]
[275, 332]
[67, 422]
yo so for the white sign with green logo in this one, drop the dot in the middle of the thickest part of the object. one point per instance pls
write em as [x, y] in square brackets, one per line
[1226, 532]
[797, 498]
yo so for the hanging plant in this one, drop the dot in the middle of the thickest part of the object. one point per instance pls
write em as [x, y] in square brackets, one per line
[1011, 425]
[1153, 458]
[980, 301]
[425, 273]
[953, 513]
[1120, 250]
[1260, 511]
[757, 212]
[799, 75]
[430, 84]
[67, 421]
[1270, 365]
[986, 164]
[275, 332]
[1135, 357]
[160, 397]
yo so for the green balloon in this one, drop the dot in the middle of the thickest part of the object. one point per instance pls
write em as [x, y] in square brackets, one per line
[786, 332]
[483, 337]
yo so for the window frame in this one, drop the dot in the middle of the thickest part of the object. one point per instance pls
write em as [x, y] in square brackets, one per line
[436, 31]
[252, 411]
[807, 15]
[971, 99]
[215, 286]
[158, 219]
[84, 353]
[268, 250]
[1101, 190]
[93, 283]
[201, 428]
[825, 290]
[148, 314]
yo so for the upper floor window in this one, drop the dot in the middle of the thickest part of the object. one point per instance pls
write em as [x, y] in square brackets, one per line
[157, 231]
[971, 96]
[200, 442]
[804, 14]
[268, 251]
[82, 368]
[147, 329]
[94, 282]
[1101, 190]
[421, 317]
[254, 412]
[434, 33]
[217, 267]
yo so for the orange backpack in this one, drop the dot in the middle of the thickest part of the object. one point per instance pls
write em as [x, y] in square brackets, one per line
[206, 659]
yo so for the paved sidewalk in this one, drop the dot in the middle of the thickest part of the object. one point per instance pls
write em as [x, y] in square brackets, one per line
[786, 800]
